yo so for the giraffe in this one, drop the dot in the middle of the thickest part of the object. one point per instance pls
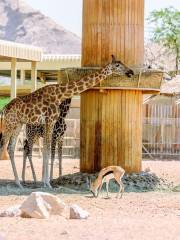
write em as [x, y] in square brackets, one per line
[41, 107]
[34, 132]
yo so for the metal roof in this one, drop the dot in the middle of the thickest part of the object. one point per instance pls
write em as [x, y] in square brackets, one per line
[20, 51]
[57, 57]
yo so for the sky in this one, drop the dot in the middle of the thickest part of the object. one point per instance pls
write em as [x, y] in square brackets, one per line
[68, 13]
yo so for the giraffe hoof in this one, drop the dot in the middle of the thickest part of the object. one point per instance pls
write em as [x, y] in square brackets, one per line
[47, 185]
[19, 185]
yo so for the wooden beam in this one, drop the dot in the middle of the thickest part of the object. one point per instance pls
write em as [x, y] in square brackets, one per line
[34, 76]
[13, 77]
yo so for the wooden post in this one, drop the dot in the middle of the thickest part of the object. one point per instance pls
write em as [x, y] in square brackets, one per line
[22, 76]
[111, 122]
[34, 76]
[13, 78]
[58, 77]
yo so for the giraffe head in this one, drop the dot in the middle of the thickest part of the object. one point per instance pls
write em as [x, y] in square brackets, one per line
[117, 67]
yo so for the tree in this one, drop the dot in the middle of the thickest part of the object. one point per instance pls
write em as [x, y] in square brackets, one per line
[167, 29]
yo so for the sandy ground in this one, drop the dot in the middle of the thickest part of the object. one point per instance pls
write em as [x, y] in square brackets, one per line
[152, 215]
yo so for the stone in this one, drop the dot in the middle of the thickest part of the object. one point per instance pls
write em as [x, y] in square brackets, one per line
[148, 169]
[42, 205]
[13, 211]
[77, 212]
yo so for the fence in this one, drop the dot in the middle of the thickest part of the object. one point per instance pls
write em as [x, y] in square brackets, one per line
[161, 131]
[70, 146]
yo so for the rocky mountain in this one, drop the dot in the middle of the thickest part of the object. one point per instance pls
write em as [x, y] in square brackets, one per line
[21, 23]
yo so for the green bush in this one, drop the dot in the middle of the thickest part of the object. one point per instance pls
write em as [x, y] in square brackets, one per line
[3, 101]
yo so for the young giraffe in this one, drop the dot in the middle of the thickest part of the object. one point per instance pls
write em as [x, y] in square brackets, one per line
[34, 132]
[41, 107]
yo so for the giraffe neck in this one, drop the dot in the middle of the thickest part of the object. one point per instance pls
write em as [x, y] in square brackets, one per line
[58, 93]
[87, 82]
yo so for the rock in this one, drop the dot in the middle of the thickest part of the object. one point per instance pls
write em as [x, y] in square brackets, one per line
[13, 211]
[2, 237]
[42, 205]
[176, 188]
[148, 169]
[78, 213]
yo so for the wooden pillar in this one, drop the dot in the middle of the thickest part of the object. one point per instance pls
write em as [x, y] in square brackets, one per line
[58, 77]
[13, 78]
[22, 76]
[112, 27]
[34, 76]
[111, 122]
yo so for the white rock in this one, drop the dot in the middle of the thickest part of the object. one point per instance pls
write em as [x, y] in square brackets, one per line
[78, 213]
[148, 169]
[13, 211]
[42, 205]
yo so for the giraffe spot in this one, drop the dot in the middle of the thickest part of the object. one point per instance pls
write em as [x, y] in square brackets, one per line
[96, 74]
[34, 119]
[53, 98]
[44, 109]
[81, 82]
[37, 111]
[81, 88]
[49, 111]
[27, 110]
[53, 108]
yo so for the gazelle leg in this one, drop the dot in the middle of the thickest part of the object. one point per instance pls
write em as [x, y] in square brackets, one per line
[11, 148]
[121, 188]
[60, 144]
[100, 188]
[107, 188]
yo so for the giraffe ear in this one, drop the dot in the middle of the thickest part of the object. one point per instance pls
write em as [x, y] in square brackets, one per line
[113, 59]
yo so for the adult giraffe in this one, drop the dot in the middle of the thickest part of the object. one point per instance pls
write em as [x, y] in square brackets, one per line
[34, 132]
[42, 106]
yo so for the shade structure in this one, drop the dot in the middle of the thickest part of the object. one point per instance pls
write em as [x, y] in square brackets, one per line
[111, 120]
[20, 51]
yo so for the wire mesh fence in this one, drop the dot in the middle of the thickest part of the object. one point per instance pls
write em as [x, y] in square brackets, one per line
[161, 131]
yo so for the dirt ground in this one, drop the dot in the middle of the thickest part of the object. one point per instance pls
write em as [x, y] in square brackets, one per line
[151, 215]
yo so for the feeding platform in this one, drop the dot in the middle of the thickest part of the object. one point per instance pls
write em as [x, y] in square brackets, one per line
[146, 81]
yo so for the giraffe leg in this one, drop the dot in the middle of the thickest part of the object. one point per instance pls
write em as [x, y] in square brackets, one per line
[46, 154]
[30, 147]
[53, 151]
[4, 138]
[11, 148]
[25, 154]
[32, 167]
[60, 144]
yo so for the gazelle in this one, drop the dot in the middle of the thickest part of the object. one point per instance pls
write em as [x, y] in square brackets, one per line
[105, 175]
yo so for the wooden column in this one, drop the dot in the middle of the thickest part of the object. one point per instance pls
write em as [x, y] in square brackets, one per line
[34, 76]
[13, 78]
[111, 122]
[22, 76]
[112, 27]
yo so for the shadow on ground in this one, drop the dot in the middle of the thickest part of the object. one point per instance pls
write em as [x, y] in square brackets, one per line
[77, 183]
